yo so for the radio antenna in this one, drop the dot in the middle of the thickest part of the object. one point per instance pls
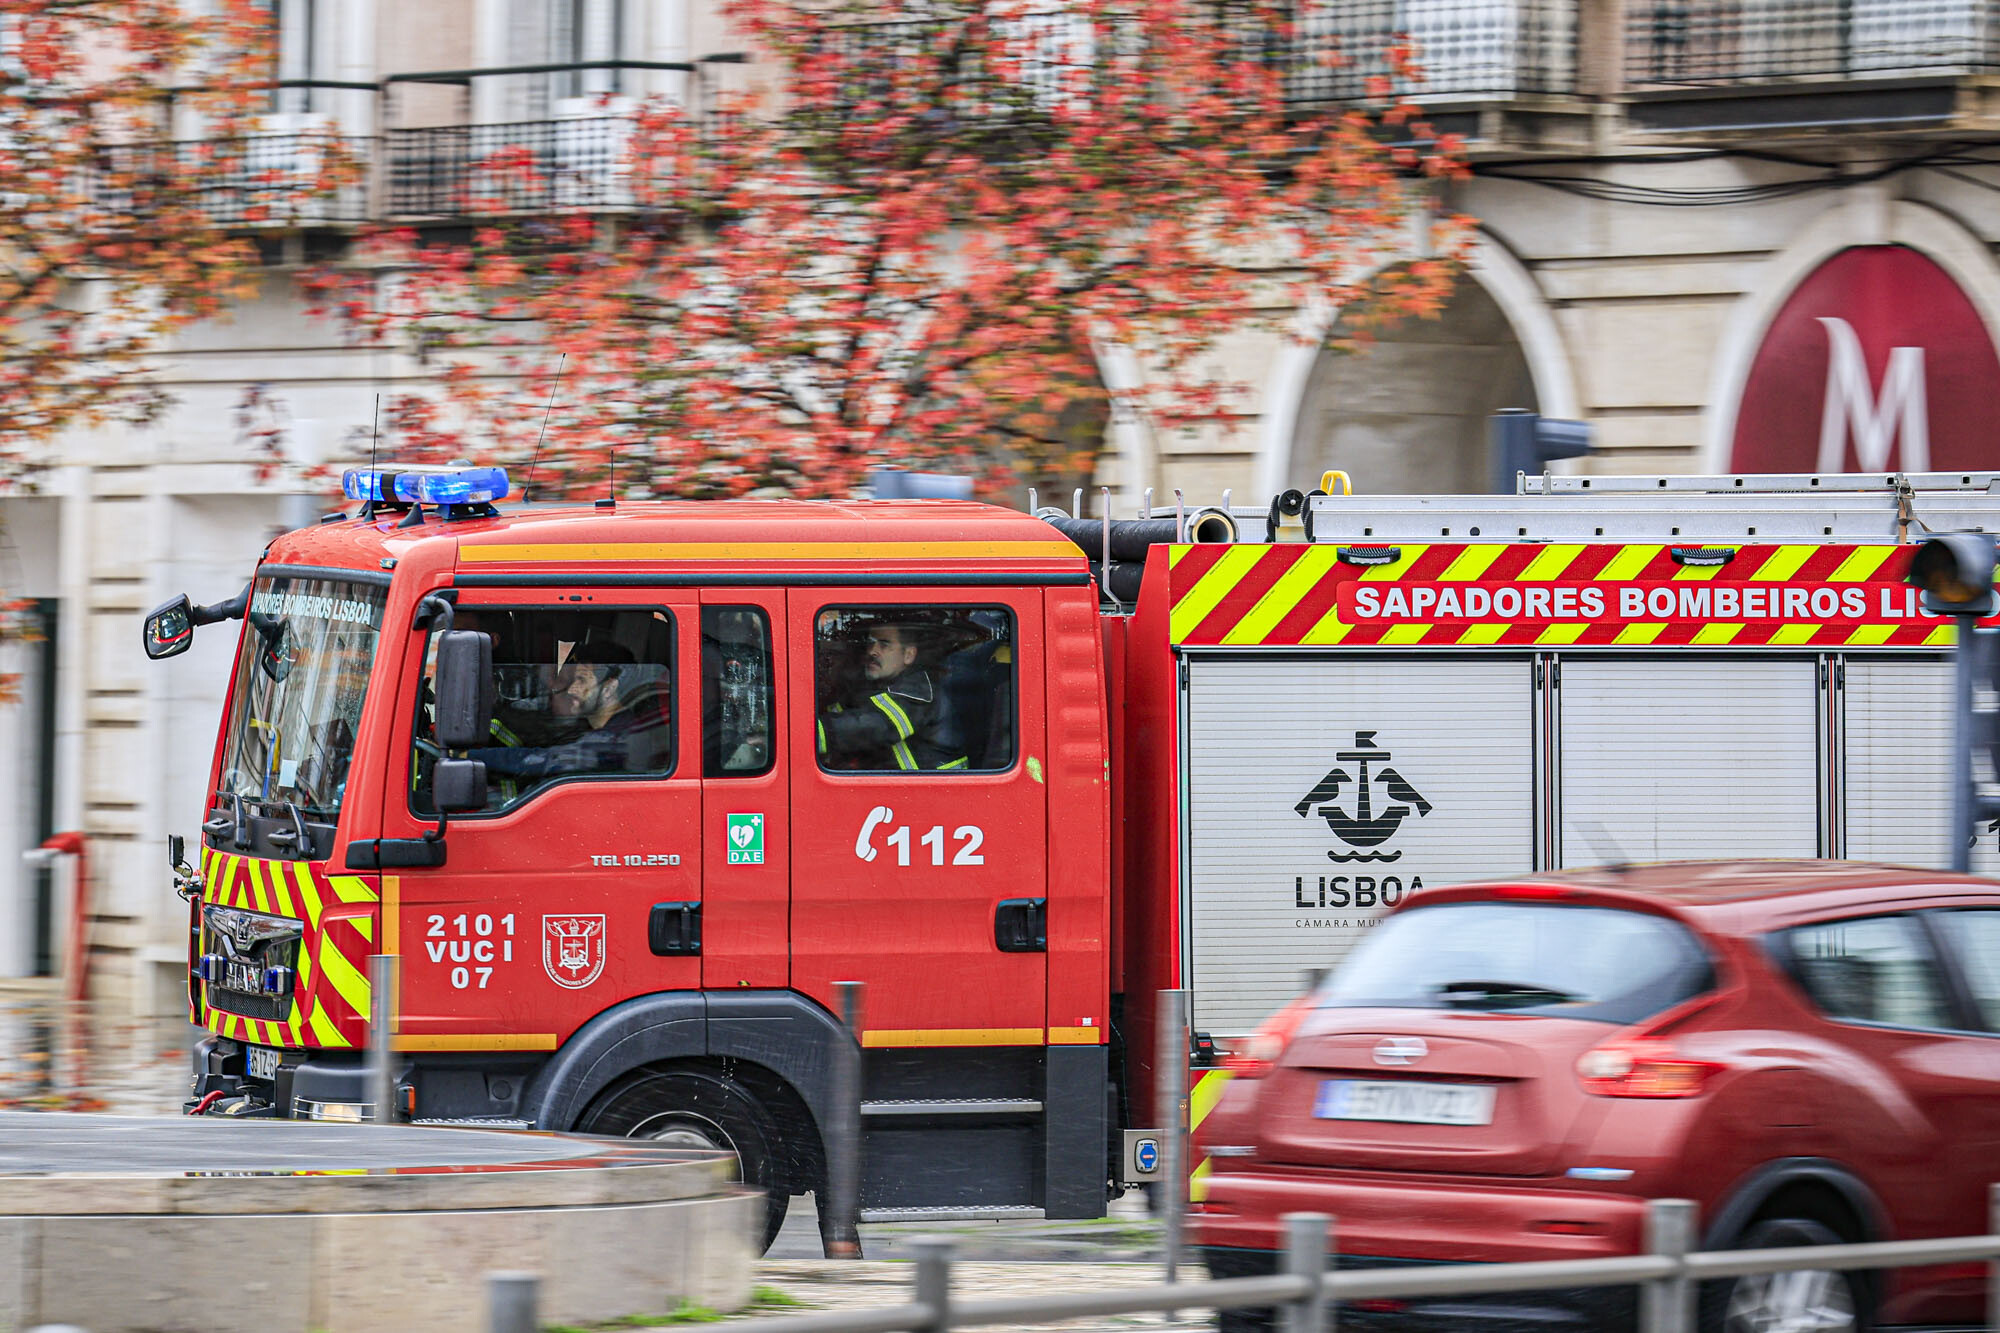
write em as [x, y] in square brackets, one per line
[561, 363]
[374, 447]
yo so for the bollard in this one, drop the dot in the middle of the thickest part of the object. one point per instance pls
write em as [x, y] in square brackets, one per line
[1667, 1306]
[1170, 1082]
[841, 1234]
[382, 1037]
[933, 1281]
[1993, 1265]
[1305, 1256]
[511, 1299]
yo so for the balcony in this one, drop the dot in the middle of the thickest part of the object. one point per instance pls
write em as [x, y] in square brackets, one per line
[1470, 51]
[467, 171]
[1759, 66]
[264, 180]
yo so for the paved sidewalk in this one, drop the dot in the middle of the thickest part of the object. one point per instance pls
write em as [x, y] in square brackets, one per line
[833, 1284]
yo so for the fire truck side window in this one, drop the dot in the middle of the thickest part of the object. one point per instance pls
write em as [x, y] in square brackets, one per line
[579, 694]
[914, 689]
[736, 700]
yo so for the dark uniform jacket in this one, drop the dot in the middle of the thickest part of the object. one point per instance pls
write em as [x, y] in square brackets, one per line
[903, 725]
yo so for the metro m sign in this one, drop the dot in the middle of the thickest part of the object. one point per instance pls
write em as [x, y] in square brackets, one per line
[1877, 362]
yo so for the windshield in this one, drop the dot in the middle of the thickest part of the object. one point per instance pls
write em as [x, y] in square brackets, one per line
[300, 677]
[1574, 962]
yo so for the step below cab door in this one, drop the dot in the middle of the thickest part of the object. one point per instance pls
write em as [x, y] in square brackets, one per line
[921, 815]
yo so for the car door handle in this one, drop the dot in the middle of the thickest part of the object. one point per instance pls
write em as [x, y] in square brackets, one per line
[1021, 925]
[674, 929]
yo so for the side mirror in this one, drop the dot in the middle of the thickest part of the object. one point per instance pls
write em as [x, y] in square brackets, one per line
[176, 851]
[465, 695]
[169, 629]
[458, 785]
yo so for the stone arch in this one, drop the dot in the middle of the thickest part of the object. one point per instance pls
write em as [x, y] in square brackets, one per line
[1502, 299]
[1864, 216]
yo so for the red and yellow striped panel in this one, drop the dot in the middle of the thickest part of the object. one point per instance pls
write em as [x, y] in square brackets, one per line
[1204, 1091]
[1563, 594]
[330, 1000]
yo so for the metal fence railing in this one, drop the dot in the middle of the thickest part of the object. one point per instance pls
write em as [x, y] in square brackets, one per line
[259, 179]
[1327, 52]
[531, 166]
[1305, 1293]
[1742, 41]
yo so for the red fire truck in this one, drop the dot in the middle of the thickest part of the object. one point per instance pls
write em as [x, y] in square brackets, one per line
[629, 787]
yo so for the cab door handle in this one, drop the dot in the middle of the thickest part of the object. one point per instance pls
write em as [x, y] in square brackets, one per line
[674, 929]
[1021, 925]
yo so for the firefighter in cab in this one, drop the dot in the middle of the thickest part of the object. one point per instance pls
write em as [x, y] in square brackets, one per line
[895, 716]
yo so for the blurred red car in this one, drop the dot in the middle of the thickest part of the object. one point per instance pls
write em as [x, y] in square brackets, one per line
[1508, 1071]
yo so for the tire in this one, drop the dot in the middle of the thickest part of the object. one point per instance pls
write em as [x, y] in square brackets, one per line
[1811, 1301]
[698, 1109]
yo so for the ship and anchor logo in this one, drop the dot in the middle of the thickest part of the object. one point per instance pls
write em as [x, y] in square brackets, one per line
[1363, 801]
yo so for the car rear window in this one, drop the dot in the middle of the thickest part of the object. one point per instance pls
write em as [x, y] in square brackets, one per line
[1598, 963]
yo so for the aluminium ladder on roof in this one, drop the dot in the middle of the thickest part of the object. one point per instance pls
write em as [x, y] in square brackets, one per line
[1859, 509]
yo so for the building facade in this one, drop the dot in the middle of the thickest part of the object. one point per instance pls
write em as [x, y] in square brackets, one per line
[1731, 234]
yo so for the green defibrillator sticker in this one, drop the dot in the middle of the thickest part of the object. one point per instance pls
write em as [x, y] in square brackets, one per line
[746, 840]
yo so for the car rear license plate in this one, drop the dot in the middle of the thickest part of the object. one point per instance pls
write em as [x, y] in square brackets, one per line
[1406, 1103]
[263, 1062]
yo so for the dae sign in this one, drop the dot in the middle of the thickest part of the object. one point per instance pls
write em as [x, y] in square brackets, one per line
[1877, 362]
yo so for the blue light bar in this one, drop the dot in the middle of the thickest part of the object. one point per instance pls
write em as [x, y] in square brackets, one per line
[431, 486]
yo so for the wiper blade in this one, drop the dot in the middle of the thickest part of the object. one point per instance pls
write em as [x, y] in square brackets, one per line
[1500, 994]
[294, 839]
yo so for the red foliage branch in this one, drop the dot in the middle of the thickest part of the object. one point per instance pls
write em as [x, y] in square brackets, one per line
[122, 120]
[914, 248]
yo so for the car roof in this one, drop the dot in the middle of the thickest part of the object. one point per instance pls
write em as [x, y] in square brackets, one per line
[1786, 884]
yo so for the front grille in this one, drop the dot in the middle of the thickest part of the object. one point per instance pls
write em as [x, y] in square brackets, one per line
[245, 1005]
[282, 951]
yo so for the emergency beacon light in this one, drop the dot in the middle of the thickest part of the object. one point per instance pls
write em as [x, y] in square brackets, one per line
[446, 486]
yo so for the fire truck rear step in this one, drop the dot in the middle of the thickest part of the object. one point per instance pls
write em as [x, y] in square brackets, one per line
[953, 1106]
[995, 1213]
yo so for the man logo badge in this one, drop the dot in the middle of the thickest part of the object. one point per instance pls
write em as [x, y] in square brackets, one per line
[573, 949]
[1401, 1050]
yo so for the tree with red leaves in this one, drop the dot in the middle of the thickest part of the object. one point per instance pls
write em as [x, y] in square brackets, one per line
[109, 239]
[916, 249]
[125, 128]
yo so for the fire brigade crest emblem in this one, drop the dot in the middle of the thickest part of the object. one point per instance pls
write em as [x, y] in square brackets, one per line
[573, 949]
[1366, 826]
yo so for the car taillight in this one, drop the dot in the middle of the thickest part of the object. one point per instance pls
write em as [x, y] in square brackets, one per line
[1260, 1051]
[1643, 1067]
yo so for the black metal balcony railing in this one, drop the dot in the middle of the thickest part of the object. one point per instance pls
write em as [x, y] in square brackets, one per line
[1335, 52]
[275, 179]
[1757, 41]
[483, 170]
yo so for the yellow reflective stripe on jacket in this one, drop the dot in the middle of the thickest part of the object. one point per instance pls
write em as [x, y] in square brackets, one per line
[897, 717]
[960, 762]
[822, 736]
[904, 759]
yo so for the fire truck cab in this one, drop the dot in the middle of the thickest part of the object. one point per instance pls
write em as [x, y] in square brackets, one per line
[628, 788]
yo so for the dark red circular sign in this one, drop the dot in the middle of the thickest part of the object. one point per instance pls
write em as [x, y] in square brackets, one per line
[1878, 361]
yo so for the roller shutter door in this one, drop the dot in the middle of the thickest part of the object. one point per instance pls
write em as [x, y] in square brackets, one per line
[1897, 792]
[1444, 751]
[1672, 757]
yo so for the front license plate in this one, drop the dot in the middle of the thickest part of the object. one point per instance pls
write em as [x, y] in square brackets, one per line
[1405, 1103]
[263, 1062]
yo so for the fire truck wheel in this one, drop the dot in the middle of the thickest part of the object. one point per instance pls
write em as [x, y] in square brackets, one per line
[693, 1108]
